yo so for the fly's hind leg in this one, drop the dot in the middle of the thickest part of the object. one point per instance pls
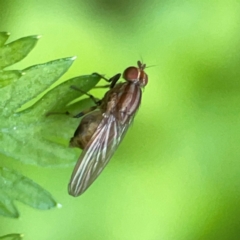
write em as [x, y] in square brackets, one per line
[78, 115]
[84, 112]
[58, 113]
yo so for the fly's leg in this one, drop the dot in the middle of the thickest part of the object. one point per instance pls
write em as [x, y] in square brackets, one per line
[104, 86]
[113, 80]
[81, 114]
[60, 113]
[95, 100]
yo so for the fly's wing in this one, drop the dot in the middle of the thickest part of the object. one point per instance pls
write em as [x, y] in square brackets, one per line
[98, 152]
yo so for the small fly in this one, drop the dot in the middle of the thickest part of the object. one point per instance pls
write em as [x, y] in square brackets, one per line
[101, 131]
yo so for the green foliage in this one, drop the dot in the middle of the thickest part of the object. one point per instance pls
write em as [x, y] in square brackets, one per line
[15, 186]
[8, 77]
[16, 51]
[26, 133]
[14, 236]
[3, 37]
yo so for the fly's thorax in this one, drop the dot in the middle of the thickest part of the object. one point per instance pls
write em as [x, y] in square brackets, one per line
[129, 99]
[122, 101]
[136, 75]
[110, 98]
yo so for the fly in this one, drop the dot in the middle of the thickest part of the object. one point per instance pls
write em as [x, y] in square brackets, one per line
[101, 131]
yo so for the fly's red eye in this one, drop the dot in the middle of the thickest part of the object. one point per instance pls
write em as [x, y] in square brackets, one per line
[131, 74]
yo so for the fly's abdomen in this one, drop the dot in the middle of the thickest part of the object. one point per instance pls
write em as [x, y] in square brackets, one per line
[85, 130]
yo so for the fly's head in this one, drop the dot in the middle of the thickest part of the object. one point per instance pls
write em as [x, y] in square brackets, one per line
[136, 74]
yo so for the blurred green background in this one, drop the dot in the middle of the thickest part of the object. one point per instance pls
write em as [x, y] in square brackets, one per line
[176, 175]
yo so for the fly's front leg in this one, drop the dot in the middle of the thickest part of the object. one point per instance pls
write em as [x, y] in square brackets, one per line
[113, 80]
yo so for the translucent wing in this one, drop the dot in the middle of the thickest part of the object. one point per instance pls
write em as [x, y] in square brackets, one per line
[98, 152]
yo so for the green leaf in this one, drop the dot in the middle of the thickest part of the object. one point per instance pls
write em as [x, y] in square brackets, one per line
[3, 37]
[35, 80]
[31, 137]
[8, 77]
[15, 186]
[17, 50]
[13, 236]
[26, 134]
[57, 98]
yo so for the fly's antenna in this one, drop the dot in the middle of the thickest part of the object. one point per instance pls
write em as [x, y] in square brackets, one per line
[151, 66]
[143, 64]
[141, 58]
